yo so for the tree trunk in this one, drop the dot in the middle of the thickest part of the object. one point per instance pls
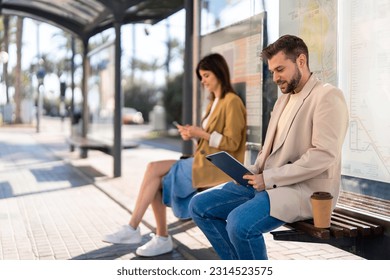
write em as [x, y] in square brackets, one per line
[6, 47]
[18, 69]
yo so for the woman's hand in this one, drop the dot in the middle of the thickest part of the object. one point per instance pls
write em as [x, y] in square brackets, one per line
[183, 132]
[190, 131]
[197, 132]
[256, 180]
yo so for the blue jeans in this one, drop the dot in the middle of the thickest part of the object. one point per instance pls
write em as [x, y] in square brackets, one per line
[234, 218]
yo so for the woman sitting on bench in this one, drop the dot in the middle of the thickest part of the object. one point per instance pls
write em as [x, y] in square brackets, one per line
[173, 183]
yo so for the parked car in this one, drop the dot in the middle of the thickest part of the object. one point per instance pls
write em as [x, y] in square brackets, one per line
[131, 116]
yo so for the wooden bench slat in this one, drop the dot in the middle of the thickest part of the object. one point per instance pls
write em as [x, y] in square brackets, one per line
[364, 230]
[86, 142]
[349, 231]
[312, 230]
[290, 235]
[80, 141]
[375, 229]
[336, 232]
[96, 144]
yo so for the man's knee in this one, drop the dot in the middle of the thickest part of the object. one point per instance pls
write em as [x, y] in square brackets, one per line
[236, 226]
[231, 226]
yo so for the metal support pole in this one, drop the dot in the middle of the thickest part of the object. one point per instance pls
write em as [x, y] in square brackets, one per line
[85, 113]
[39, 105]
[72, 70]
[117, 149]
[196, 104]
[187, 148]
[39, 108]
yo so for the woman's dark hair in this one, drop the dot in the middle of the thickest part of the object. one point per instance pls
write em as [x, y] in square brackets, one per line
[292, 46]
[216, 63]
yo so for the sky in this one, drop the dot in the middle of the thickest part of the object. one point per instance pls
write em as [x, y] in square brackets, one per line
[157, 35]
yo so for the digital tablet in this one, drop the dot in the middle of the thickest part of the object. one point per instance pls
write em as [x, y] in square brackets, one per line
[230, 166]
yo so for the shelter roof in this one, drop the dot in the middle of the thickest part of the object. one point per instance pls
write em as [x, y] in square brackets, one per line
[86, 18]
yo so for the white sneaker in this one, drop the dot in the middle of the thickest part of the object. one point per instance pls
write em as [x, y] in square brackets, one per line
[157, 246]
[125, 235]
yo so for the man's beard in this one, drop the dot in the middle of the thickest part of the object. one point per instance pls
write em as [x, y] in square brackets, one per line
[293, 84]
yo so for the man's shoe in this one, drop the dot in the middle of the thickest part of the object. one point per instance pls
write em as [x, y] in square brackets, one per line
[125, 235]
[158, 245]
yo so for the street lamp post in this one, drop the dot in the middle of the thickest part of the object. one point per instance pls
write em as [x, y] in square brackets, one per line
[40, 76]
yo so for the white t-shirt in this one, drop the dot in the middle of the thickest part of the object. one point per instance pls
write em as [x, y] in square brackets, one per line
[215, 137]
[286, 115]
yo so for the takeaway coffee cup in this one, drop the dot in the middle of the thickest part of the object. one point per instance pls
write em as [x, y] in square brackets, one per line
[321, 203]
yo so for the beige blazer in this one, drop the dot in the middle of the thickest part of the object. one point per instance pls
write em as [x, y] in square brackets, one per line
[228, 119]
[307, 156]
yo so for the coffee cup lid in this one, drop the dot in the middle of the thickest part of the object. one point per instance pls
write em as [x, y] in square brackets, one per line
[321, 195]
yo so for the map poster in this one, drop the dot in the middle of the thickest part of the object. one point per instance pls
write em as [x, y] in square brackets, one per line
[241, 45]
[366, 59]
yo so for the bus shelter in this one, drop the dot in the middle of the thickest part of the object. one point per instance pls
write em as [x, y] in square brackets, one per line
[86, 18]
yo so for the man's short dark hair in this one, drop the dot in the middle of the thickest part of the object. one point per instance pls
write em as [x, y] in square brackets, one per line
[291, 45]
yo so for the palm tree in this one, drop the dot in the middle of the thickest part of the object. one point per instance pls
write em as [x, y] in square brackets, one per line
[63, 65]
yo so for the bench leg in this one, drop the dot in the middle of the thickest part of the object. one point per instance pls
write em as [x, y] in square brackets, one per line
[83, 153]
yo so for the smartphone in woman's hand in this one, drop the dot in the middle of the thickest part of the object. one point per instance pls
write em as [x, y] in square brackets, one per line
[175, 123]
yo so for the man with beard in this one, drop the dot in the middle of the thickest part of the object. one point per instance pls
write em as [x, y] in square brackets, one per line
[301, 154]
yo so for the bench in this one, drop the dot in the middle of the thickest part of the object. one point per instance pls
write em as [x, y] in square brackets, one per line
[85, 144]
[352, 234]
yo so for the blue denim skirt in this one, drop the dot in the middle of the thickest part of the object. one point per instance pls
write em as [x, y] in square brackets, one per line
[177, 189]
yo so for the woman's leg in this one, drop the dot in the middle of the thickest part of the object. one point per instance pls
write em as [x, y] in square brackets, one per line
[150, 193]
[246, 225]
[160, 213]
[210, 209]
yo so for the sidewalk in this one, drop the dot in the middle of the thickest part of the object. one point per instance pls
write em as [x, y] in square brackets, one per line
[54, 205]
